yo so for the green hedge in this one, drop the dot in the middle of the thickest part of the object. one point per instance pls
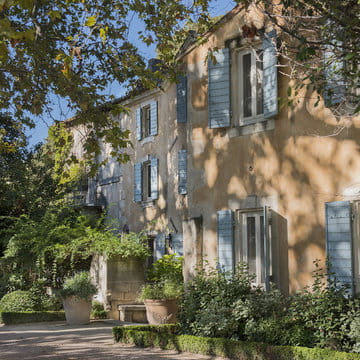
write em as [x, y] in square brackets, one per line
[30, 316]
[164, 337]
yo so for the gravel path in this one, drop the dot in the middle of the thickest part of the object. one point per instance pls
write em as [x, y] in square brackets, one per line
[56, 340]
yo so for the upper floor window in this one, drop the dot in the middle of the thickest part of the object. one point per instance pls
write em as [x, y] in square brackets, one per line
[246, 91]
[147, 120]
[250, 91]
[146, 180]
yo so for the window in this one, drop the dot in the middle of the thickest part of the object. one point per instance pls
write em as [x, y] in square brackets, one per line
[250, 71]
[146, 180]
[245, 92]
[251, 247]
[246, 237]
[182, 172]
[181, 99]
[146, 120]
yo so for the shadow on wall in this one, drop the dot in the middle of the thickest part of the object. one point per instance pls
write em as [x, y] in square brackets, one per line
[301, 162]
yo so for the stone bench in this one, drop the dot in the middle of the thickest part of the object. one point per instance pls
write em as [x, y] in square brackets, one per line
[132, 313]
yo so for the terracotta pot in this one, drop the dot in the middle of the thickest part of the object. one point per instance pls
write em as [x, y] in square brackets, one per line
[161, 311]
[77, 311]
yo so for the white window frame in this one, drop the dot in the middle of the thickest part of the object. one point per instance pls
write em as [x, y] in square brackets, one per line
[241, 248]
[240, 98]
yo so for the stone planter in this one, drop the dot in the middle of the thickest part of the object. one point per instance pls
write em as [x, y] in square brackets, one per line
[77, 311]
[161, 311]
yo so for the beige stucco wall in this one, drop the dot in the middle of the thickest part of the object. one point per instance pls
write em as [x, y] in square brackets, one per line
[295, 168]
[166, 212]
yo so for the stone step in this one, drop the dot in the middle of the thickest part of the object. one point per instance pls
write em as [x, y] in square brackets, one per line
[132, 313]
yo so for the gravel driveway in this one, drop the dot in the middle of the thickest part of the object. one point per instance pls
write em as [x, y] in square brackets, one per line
[56, 340]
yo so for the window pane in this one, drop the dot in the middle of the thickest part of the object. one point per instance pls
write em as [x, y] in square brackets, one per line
[246, 72]
[259, 81]
[149, 180]
[145, 112]
[251, 243]
[146, 178]
[262, 249]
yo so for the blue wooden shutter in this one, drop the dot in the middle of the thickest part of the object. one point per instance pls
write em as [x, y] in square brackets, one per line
[159, 246]
[270, 86]
[335, 85]
[219, 90]
[154, 178]
[339, 241]
[138, 182]
[153, 118]
[181, 99]
[225, 229]
[177, 244]
[138, 124]
[182, 172]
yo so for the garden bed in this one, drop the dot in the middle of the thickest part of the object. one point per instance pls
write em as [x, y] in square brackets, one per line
[166, 337]
[9, 318]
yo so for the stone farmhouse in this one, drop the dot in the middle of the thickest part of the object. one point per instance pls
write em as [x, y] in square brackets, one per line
[227, 175]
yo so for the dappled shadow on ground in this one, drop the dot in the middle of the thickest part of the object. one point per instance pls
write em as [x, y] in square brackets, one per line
[60, 341]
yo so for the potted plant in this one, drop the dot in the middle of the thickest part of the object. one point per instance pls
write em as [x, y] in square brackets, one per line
[76, 294]
[163, 290]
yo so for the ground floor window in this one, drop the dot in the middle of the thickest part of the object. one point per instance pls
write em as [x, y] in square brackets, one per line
[245, 235]
[250, 243]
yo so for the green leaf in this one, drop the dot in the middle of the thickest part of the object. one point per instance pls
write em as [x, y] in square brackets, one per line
[90, 21]
[349, 56]
[54, 15]
[103, 34]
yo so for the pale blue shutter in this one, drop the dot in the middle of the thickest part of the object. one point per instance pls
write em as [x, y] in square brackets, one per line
[137, 182]
[335, 85]
[154, 178]
[182, 172]
[181, 99]
[339, 241]
[138, 124]
[177, 244]
[225, 230]
[153, 118]
[270, 86]
[219, 90]
[159, 246]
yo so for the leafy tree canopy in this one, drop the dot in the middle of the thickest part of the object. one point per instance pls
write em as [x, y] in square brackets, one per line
[75, 48]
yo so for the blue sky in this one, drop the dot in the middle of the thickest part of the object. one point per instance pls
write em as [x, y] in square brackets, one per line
[60, 112]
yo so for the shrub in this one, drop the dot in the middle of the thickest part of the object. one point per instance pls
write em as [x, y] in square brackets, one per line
[9, 318]
[225, 305]
[97, 310]
[169, 267]
[165, 290]
[79, 286]
[208, 305]
[321, 310]
[150, 337]
[44, 302]
[165, 279]
[18, 300]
